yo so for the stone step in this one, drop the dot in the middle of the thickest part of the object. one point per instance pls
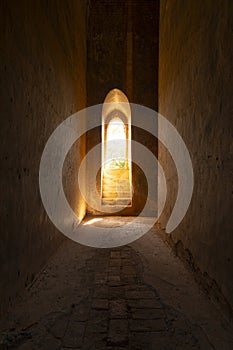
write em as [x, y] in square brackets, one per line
[115, 178]
[118, 201]
[116, 185]
[116, 194]
[115, 189]
[116, 173]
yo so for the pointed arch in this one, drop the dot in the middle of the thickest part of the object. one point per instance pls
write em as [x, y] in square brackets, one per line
[116, 148]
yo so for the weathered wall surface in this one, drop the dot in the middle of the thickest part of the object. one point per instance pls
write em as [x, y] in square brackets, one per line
[195, 94]
[43, 67]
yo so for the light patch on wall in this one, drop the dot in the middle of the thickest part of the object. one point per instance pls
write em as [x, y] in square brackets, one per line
[92, 221]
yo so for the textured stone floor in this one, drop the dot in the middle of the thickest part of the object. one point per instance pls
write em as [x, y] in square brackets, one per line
[90, 298]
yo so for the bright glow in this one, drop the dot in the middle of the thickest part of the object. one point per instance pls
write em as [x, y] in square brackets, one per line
[90, 222]
[116, 130]
[115, 150]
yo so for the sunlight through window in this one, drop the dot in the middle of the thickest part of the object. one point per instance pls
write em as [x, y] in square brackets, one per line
[116, 145]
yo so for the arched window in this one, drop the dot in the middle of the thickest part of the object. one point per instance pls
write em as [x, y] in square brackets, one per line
[116, 150]
[116, 147]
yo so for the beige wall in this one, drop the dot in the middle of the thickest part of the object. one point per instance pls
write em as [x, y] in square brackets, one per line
[195, 94]
[43, 64]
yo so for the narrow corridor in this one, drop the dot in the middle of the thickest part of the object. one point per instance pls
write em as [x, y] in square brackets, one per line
[138, 296]
[162, 72]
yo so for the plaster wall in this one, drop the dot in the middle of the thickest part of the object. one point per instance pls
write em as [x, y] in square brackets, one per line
[195, 94]
[43, 81]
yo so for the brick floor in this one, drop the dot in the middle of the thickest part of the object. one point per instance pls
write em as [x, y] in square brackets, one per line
[104, 303]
